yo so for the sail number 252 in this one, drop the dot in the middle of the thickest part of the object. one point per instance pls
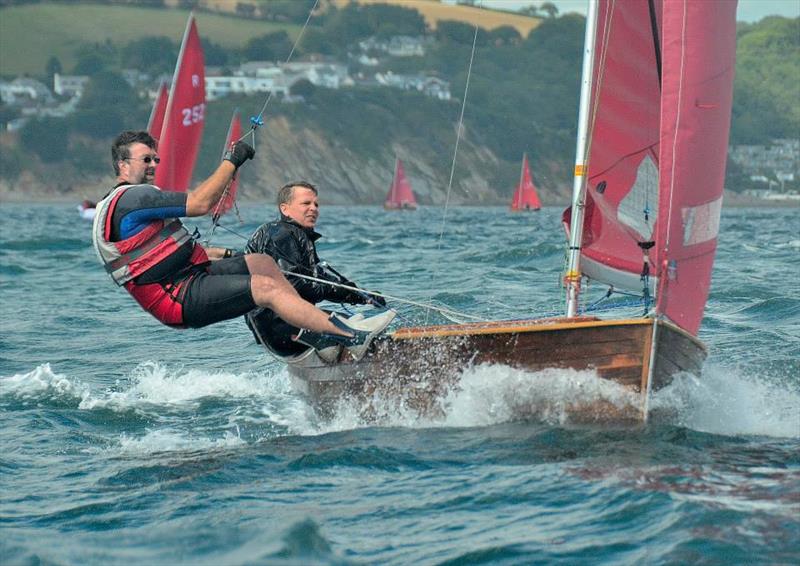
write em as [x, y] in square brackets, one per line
[193, 115]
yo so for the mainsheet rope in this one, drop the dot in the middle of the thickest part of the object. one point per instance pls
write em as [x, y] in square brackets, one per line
[447, 313]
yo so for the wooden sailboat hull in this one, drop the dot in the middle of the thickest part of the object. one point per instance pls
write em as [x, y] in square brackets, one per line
[417, 367]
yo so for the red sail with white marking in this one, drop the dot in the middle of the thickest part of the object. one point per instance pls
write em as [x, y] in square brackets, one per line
[179, 142]
[400, 194]
[525, 196]
[156, 121]
[661, 111]
[234, 133]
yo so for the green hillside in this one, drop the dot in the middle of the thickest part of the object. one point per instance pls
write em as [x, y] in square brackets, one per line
[31, 34]
[523, 91]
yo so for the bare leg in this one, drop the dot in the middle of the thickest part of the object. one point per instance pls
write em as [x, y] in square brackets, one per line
[271, 289]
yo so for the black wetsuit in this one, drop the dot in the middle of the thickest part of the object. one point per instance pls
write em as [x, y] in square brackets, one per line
[293, 248]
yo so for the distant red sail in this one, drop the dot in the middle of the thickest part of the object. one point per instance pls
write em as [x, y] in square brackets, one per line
[525, 196]
[234, 133]
[400, 194]
[156, 122]
[179, 142]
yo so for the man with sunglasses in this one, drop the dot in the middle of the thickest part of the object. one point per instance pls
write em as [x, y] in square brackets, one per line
[146, 249]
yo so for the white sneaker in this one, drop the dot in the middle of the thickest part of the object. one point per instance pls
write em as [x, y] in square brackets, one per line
[365, 330]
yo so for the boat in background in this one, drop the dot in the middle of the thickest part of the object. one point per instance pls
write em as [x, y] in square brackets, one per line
[184, 116]
[400, 196]
[156, 121]
[654, 119]
[525, 196]
[228, 199]
[87, 209]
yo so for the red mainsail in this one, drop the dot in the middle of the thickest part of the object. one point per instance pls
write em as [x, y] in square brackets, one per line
[661, 111]
[234, 133]
[400, 194]
[525, 196]
[156, 121]
[179, 142]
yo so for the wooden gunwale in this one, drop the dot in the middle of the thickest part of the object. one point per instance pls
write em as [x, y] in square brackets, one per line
[512, 326]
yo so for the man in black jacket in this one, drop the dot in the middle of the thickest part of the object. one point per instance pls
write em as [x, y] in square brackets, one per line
[290, 241]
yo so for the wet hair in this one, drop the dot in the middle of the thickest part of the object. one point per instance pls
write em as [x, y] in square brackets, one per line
[286, 192]
[121, 148]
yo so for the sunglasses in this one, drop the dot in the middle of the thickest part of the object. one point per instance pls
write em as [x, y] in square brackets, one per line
[147, 159]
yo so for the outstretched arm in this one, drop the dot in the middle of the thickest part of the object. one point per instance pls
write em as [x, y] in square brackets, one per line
[202, 200]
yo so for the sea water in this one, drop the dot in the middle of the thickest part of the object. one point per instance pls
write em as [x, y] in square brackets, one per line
[123, 441]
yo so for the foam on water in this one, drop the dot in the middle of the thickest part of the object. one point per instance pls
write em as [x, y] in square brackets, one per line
[42, 385]
[721, 402]
[165, 440]
[154, 384]
[726, 402]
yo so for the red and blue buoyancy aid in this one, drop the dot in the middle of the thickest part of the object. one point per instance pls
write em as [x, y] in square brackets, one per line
[129, 258]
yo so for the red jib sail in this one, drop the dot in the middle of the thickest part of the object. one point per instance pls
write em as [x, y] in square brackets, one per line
[400, 194]
[661, 106]
[179, 142]
[156, 121]
[234, 133]
[525, 196]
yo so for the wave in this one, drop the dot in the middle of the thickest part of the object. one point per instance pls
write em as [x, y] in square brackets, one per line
[725, 402]
[720, 402]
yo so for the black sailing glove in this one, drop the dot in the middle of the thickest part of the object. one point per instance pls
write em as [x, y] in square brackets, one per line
[239, 153]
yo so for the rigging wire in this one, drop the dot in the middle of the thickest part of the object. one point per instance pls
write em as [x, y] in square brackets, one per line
[455, 156]
[255, 122]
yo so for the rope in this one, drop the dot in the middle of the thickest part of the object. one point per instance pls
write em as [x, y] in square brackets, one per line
[426, 306]
[255, 122]
[455, 154]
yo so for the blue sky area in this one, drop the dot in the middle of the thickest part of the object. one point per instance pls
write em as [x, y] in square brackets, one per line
[748, 10]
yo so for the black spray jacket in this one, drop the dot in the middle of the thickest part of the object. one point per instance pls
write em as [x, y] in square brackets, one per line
[294, 250]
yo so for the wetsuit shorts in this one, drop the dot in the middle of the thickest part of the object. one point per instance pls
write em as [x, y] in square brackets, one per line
[220, 291]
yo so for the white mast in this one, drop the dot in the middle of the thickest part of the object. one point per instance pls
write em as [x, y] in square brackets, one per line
[573, 275]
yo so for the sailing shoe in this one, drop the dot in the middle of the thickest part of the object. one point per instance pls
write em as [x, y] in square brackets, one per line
[364, 330]
[327, 346]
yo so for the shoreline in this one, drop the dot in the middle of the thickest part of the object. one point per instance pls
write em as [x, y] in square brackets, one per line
[730, 201]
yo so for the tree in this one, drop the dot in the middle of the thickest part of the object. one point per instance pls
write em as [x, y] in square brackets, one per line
[150, 54]
[303, 87]
[46, 138]
[108, 105]
[269, 47]
[450, 31]
[550, 9]
[504, 35]
[215, 54]
[95, 57]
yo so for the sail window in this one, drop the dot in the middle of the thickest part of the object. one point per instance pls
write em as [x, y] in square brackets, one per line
[641, 204]
[701, 223]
